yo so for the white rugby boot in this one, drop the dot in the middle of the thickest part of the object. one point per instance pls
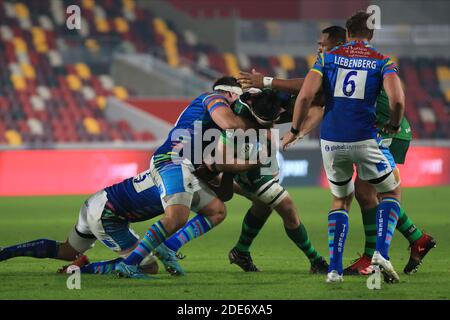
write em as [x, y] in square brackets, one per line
[334, 276]
[390, 276]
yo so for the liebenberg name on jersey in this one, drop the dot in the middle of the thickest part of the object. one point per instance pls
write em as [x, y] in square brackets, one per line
[355, 63]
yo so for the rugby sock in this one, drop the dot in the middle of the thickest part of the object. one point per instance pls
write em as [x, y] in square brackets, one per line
[41, 248]
[387, 216]
[337, 233]
[102, 267]
[155, 235]
[195, 227]
[407, 227]
[250, 229]
[369, 218]
[300, 237]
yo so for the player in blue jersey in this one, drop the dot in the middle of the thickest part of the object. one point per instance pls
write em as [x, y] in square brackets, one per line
[195, 227]
[365, 193]
[178, 189]
[106, 216]
[173, 163]
[261, 186]
[352, 76]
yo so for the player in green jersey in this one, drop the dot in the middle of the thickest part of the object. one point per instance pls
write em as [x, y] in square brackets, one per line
[365, 194]
[262, 187]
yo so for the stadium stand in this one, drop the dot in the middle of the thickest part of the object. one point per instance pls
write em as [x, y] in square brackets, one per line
[44, 100]
[255, 9]
[46, 97]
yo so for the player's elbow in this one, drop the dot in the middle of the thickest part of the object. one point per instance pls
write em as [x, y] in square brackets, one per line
[305, 98]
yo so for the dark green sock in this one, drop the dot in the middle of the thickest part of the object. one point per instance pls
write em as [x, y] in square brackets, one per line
[300, 237]
[369, 217]
[250, 229]
[407, 227]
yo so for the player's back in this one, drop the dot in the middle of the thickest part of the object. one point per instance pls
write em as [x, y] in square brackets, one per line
[135, 198]
[197, 113]
[352, 79]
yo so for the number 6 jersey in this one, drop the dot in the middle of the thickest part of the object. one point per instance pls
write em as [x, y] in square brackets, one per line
[352, 79]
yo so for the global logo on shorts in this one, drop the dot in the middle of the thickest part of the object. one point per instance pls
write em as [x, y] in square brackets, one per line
[335, 147]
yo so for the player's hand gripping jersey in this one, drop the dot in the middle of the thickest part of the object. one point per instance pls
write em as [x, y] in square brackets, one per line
[383, 117]
[352, 79]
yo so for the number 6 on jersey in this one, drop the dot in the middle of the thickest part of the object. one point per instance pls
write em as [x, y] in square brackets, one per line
[350, 83]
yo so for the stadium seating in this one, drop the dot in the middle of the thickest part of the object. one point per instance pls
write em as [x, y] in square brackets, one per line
[427, 81]
[256, 9]
[44, 99]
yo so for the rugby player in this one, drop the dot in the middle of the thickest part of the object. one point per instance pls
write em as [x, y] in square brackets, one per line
[352, 76]
[365, 193]
[174, 161]
[261, 186]
[195, 227]
[135, 197]
[106, 216]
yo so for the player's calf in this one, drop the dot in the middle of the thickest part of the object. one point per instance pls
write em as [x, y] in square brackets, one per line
[287, 211]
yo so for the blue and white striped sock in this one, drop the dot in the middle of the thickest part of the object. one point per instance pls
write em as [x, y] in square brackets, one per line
[337, 233]
[155, 235]
[388, 212]
[102, 267]
[195, 227]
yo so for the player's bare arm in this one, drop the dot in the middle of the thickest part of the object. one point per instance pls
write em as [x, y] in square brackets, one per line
[313, 119]
[315, 114]
[311, 86]
[396, 95]
[258, 80]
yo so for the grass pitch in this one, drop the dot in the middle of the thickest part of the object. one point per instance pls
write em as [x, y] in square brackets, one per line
[210, 276]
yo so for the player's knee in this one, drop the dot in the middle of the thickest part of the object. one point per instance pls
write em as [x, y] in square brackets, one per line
[215, 211]
[288, 212]
[365, 194]
[396, 193]
[172, 222]
[67, 252]
[218, 214]
[260, 209]
[366, 198]
[341, 202]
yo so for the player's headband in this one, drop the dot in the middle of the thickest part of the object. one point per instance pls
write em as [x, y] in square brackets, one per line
[232, 89]
[262, 121]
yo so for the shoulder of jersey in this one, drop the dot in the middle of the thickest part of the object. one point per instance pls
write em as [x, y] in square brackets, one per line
[212, 95]
[344, 50]
[213, 100]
